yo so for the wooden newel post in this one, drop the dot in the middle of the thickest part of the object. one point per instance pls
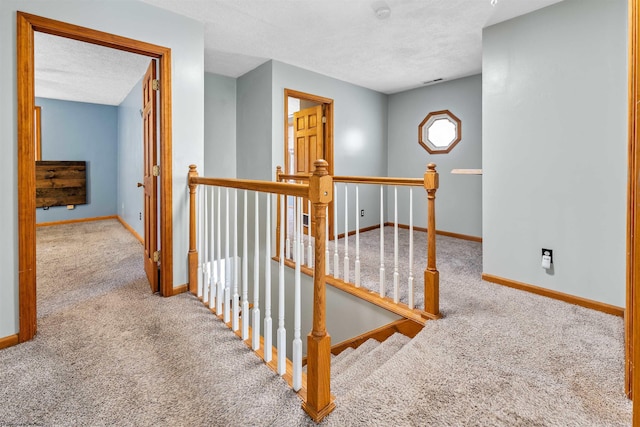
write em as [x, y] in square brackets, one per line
[193, 253]
[431, 274]
[319, 401]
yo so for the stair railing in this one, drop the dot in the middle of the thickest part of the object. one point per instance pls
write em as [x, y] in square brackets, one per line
[341, 259]
[219, 281]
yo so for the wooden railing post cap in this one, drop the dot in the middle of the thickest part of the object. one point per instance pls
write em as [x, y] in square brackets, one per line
[320, 183]
[192, 174]
[321, 167]
[431, 178]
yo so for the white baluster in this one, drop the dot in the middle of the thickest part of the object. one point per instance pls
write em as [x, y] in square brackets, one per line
[268, 342]
[327, 257]
[282, 332]
[245, 275]
[297, 342]
[396, 276]
[227, 276]
[382, 241]
[212, 255]
[255, 325]
[357, 266]
[295, 254]
[201, 235]
[301, 235]
[336, 267]
[410, 302]
[346, 234]
[205, 250]
[309, 245]
[236, 303]
[288, 233]
[219, 260]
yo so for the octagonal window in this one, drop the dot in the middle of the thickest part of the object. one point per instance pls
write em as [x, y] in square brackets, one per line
[439, 132]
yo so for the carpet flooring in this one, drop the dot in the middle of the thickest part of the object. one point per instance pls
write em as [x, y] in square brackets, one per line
[108, 352]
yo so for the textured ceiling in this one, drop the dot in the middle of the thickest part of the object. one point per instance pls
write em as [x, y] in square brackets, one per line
[421, 40]
[75, 71]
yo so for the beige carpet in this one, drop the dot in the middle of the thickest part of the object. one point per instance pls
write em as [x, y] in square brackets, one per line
[110, 353]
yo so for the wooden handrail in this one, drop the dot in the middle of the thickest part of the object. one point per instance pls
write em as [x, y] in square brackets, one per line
[297, 190]
[380, 180]
[289, 177]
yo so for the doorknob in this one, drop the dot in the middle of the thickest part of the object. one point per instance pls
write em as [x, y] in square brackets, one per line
[140, 184]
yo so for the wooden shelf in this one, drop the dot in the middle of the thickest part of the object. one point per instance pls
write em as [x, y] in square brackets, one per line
[466, 171]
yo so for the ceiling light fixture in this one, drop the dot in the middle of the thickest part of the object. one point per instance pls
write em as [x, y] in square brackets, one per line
[494, 2]
[382, 10]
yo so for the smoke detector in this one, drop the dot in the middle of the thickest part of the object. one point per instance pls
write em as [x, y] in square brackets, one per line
[381, 9]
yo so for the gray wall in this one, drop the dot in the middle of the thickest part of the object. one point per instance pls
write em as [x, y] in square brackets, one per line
[130, 203]
[360, 117]
[219, 126]
[347, 316]
[132, 19]
[555, 148]
[459, 199]
[360, 129]
[253, 127]
[87, 132]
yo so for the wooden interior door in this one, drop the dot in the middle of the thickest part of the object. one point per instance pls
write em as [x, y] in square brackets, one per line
[308, 132]
[150, 180]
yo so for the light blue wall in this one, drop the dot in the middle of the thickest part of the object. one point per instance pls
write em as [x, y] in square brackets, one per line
[555, 148]
[360, 133]
[219, 126]
[130, 203]
[360, 119]
[88, 132]
[459, 198]
[253, 127]
[128, 18]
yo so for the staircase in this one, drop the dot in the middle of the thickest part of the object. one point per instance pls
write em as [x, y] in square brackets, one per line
[352, 366]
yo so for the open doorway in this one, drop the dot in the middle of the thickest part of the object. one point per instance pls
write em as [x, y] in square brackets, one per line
[308, 137]
[99, 110]
[27, 25]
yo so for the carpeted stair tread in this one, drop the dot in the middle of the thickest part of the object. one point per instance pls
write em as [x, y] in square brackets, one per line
[343, 362]
[344, 353]
[367, 365]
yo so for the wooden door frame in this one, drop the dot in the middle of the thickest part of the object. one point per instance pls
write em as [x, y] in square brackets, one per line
[328, 136]
[632, 336]
[26, 25]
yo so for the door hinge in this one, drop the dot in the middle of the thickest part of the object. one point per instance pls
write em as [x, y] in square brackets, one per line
[156, 170]
[155, 84]
[156, 256]
[324, 119]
